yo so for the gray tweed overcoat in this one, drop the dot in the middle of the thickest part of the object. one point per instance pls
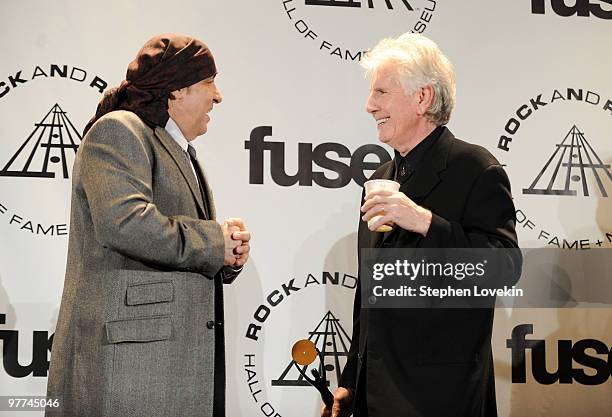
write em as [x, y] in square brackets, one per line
[137, 327]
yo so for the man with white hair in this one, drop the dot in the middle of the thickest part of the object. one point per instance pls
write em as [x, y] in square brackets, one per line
[453, 194]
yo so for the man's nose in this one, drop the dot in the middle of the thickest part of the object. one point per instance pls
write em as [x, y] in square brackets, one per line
[217, 97]
[371, 106]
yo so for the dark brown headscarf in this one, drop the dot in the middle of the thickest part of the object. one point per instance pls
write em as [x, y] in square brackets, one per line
[165, 63]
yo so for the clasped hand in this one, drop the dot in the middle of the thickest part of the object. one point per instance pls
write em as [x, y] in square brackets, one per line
[237, 239]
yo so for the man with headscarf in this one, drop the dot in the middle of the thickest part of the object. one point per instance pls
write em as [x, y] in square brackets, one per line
[140, 328]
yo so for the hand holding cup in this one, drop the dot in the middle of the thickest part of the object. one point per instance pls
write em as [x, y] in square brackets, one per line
[380, 185]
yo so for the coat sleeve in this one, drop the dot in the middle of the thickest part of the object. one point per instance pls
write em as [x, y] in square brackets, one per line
[229, 274]
[348, 379]
[116, 177]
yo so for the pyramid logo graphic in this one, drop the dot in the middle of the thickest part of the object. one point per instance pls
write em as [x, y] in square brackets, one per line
[568, 168]
[352, 3]
[332, 341]
[54, 140]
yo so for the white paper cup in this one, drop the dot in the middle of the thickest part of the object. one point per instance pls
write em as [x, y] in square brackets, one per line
[377, 185]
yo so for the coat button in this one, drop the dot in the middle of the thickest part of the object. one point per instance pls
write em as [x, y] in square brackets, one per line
[210, 324]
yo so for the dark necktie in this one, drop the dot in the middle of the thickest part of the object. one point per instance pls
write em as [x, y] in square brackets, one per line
[194, 161]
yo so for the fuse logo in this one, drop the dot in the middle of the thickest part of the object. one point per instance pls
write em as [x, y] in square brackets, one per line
[593, 369]
[584, 8]
[355, 168]
[41, 347]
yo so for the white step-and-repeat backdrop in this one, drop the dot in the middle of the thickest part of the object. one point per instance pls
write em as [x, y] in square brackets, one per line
[288, 150]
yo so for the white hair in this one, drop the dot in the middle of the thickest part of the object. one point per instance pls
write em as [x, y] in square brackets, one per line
[419, 63]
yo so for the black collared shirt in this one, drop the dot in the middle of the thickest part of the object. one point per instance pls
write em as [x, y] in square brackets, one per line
[406, 165]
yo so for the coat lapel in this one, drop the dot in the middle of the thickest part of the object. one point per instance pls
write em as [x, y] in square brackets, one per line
[180, 158]
[427, 176]
[210, 203]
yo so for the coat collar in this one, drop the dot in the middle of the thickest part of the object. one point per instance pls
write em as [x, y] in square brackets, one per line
[180, 158]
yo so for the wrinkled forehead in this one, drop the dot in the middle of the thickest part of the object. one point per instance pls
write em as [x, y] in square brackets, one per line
[385, 74]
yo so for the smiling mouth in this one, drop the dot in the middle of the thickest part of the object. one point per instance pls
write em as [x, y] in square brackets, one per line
[382, 121]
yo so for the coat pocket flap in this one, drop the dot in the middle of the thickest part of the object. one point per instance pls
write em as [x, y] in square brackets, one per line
[146, 329]
[149, 293]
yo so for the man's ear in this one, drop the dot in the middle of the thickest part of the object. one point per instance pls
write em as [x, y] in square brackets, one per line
[425, 97]
[177, 94]
[175, 98]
